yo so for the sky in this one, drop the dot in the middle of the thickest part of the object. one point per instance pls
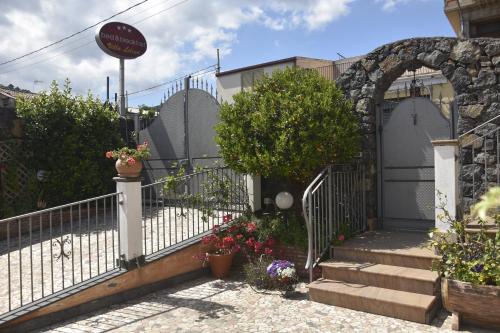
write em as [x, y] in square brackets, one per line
[183, 36]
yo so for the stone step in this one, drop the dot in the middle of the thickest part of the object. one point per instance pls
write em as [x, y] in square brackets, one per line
[412, 258]
[387, 302]
[407, 279]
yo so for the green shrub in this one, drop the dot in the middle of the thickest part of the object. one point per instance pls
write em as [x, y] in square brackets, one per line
[256, 273]
[470, 257]
[292, 124]
[67, 136]
[289, 230]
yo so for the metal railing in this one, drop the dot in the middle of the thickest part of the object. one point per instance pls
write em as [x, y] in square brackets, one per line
[480, 160]
[334, 200]
[51, 250]
[177, 209]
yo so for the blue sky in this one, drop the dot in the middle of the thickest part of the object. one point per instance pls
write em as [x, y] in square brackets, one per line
[183, 36]
[366, 27]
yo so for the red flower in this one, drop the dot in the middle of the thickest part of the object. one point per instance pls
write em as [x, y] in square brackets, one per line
[131, 161]
[239, 236]
[227, 218]
[268, 251]
[341, 237]
[232, 229]
[258, 247]
[227, 242]
[270, 242]
[109, 154]
[251, 227]
[237, 248]
[250, 242]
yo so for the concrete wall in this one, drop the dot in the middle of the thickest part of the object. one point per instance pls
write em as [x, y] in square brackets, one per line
[230, 84]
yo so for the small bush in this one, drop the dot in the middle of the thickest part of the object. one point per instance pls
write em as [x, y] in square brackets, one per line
[256, 273]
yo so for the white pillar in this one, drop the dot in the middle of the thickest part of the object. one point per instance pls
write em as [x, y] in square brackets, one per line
[445, 180]
[129, 212]
[254, 192]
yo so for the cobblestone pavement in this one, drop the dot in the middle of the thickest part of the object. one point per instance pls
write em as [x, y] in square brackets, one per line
[206, 305]
[33, 267]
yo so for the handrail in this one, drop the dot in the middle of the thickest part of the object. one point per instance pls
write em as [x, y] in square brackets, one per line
[333, 200]
[478, 127]
[308, 218]
[47, 210]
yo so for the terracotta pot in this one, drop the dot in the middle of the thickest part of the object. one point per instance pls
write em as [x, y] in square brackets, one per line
[128, 171]
[220, 264]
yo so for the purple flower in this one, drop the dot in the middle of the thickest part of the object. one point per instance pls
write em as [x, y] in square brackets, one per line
[478, 268]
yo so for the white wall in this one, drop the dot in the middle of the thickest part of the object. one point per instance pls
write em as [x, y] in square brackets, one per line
[230, 84]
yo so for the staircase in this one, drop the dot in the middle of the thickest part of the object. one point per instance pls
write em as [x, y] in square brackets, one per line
[384, 273]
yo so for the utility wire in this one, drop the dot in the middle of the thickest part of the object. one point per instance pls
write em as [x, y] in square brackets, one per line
[74, 34]
[11, 69]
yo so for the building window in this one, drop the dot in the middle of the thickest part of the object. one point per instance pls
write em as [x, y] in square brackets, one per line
[249, 78]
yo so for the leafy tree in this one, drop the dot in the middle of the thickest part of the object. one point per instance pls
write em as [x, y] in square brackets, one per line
[67, 137]
[291, 125]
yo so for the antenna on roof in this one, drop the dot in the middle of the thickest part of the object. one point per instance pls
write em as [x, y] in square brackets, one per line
[341, 56]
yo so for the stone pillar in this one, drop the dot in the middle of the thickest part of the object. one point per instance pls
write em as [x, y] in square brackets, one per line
[130, 215]
[445, 180]
[254, 190]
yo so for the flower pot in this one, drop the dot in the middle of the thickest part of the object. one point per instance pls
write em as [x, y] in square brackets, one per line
[128, 171]
[220, 264]
[475, 304]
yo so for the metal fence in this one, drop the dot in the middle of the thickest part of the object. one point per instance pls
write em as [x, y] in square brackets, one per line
[48, 251]
[333, 201]
[480, 160]
[177, 209]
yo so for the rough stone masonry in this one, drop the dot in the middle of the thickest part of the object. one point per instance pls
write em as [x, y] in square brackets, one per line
[473, 68]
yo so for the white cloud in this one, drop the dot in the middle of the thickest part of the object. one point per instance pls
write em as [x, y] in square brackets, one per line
[181, 39]
[391, 4]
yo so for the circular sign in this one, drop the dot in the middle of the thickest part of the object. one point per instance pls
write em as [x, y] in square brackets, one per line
[121, 40]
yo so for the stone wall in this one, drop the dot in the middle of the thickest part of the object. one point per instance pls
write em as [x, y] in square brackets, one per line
[473, 68]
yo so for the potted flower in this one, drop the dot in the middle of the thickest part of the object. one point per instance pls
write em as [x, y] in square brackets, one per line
[469, 264]
[129, 160]
[230, 238]
[284, 274]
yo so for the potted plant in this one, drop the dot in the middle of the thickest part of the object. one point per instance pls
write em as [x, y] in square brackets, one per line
[469, 265]
[129, 160]
[285, 276]
[230, 238]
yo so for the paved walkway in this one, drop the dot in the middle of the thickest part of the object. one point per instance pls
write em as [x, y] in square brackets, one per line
[211, 306]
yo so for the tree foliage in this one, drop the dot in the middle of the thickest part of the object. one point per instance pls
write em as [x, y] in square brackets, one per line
[67, 137]
[292, 124]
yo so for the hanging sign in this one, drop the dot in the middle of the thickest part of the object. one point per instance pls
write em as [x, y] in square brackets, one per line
[121, 40]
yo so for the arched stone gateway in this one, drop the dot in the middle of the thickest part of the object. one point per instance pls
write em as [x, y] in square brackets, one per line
[472, 66]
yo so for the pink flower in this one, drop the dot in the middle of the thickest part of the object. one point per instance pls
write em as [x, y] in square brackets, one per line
[131, 161]
[341, 237]
[109, 154]
[251, 227]
[237, 248]
[239, 236]
[227, 218]
[268, 251]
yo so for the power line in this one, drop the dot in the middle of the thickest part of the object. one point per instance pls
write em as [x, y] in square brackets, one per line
[74, 34]
[87, 43]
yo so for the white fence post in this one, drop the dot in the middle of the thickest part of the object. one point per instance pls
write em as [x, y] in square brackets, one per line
[445, 180]
[254, 192]
[130, 216]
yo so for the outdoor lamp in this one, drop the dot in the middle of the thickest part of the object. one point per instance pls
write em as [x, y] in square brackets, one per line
[284, 200]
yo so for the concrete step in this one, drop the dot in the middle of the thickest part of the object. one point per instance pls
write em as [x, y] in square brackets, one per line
[384, 276]
[392, 303]
[412, 257]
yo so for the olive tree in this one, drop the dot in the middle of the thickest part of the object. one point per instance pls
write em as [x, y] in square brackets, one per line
[290, 125]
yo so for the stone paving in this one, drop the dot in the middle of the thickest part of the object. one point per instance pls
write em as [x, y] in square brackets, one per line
[211, 306]
[32, 268]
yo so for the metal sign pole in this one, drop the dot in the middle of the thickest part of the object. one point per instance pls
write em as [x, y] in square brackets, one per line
[122, 87]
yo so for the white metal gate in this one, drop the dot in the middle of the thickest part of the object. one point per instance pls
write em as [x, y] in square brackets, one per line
[407, 159]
